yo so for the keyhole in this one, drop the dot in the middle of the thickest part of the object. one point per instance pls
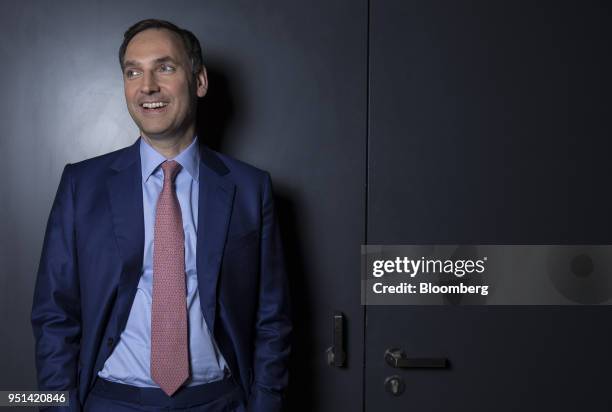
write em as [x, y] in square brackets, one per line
[394, 385]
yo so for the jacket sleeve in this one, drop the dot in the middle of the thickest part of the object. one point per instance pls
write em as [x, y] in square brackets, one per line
[56, 317]
[273, 324]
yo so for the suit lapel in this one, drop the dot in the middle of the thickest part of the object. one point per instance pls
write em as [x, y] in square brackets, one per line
[215, 201]
[125, 195]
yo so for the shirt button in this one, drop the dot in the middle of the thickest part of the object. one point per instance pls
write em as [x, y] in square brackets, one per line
[110, 342]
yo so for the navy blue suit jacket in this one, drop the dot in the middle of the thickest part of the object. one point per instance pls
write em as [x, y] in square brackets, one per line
[92, 258]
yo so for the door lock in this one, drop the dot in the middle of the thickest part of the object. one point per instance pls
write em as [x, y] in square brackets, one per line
[395, 385]
[336, 356]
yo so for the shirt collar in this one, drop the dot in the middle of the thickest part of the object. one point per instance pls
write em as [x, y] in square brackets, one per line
[150, 159]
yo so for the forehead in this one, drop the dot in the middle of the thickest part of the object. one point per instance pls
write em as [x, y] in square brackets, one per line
[151, 44]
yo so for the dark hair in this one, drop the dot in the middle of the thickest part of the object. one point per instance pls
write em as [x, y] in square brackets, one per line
[190, 41]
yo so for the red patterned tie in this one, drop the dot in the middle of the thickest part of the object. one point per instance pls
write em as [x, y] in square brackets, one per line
[169, 349]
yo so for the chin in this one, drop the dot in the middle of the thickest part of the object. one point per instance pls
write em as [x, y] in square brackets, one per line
[155, 134]
[154, 131]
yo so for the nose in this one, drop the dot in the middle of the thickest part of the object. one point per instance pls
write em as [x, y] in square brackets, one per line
[149, 83]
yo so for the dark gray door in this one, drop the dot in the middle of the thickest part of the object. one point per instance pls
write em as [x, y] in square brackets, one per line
[489, 123]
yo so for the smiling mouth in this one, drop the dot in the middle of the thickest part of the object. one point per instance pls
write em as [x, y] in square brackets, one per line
[153, 107]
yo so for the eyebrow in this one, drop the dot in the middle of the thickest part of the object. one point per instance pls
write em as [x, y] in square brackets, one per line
[164, 59]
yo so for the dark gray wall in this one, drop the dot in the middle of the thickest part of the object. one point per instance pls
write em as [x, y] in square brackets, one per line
[287, 94]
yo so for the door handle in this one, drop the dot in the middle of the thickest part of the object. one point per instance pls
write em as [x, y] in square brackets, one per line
[396, 358]
[336, 356]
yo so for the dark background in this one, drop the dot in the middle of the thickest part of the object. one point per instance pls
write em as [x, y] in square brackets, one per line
[381, 121]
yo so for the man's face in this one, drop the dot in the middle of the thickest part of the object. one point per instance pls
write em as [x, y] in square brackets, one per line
[160, 91]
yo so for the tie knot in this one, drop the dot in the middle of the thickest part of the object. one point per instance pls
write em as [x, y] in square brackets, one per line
[171, 169]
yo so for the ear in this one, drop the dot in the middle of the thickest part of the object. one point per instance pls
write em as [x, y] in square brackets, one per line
[202, 82]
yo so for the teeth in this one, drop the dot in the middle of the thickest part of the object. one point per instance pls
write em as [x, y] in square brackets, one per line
[154, 105]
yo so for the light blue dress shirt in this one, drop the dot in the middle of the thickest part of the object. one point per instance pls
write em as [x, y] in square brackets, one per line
[130, 361]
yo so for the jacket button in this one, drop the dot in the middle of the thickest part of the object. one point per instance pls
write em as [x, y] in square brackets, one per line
[110, 342]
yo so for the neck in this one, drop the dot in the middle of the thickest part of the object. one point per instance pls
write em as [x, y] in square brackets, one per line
[169, 147]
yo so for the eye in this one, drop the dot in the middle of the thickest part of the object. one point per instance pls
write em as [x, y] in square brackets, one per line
[166, 68]
[130, 73]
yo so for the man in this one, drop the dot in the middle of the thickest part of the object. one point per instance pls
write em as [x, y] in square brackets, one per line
[161, 282]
